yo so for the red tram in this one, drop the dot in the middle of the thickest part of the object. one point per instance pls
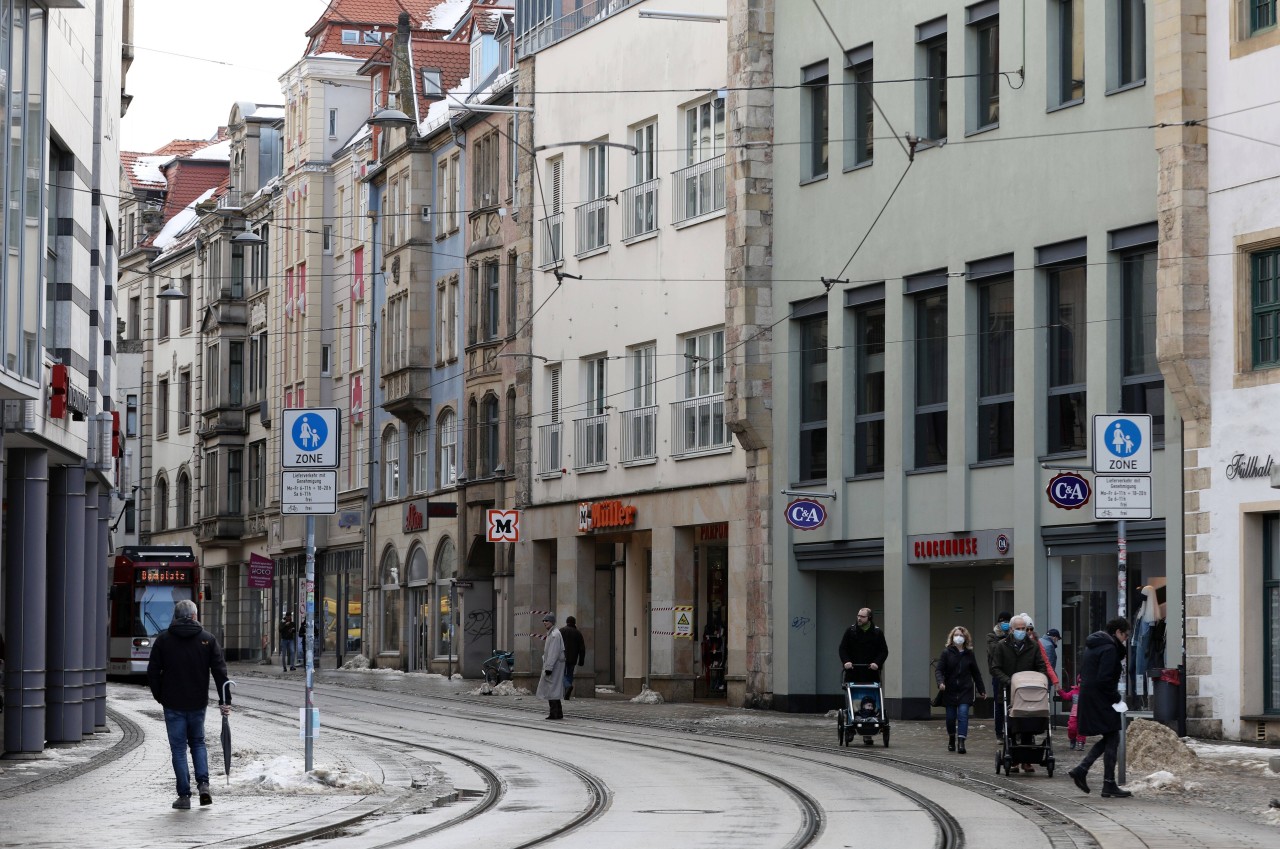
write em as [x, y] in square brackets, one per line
[146, 583]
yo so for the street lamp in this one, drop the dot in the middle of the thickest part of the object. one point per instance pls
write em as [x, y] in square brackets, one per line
[247, 238]
[172, 292]
[389, 116]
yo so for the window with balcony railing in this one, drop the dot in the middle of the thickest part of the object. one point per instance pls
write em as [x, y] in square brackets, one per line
[550, 459]
[593, 226]
[697, 422]
[639, 434]
[591, 441]
[700, 184]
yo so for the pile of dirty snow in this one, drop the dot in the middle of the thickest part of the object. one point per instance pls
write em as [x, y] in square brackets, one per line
[1161, 781]
[503, 688]
[1151, 747]
[288, 776]
[357, 662]
[648, 697]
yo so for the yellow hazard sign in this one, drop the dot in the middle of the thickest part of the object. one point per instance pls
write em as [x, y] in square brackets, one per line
[684, 622]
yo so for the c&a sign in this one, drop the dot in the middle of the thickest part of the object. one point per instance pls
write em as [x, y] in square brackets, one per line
[604, 515]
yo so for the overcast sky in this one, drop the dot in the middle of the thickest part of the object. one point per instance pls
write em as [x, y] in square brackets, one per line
[252, 42]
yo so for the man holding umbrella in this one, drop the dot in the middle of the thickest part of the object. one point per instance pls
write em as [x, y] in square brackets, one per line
[182, 659]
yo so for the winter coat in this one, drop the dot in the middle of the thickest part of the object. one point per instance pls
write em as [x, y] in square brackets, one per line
[288, 630]
[959, 671]
[1099, 685]
[994, 636]
[551, 686]
[1012, 656]
[575, 647]
[182, 658]
[1050, 651]
[861, 647]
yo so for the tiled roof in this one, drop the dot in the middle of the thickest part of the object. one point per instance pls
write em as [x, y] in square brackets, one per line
[143, 171]
[326, 32]
[188, 180]
[453, 58]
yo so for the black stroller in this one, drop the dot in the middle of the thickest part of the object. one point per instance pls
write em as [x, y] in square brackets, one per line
[863, 711]
[1026, 718]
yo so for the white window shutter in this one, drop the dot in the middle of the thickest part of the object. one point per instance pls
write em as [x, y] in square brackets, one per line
[555, 394]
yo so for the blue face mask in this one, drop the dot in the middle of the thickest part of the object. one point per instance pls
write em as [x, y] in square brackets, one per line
[1004, 626]
[1019, 634]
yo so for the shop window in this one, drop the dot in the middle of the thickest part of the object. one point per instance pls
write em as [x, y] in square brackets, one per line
[390, 602]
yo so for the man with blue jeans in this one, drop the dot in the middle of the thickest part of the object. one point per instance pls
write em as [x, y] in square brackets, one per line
[182, 658]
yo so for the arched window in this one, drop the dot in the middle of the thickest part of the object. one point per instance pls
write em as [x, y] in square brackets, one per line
[510, 454]
[390, 573]
[446, 568]
[418, 573]
[184, 501]
[447, 464]
[390, 465]
[489, 423]
[421, 444]
[160, 497]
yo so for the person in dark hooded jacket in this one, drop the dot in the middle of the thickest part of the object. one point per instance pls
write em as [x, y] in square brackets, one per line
[182, 658]
[1099, 690]
[863, 650]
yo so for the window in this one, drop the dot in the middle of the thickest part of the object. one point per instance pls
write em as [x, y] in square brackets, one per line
[446, 569]
[700, 183]
[1067, 422]
[390, 602]
[187, 309]
[486, 156]
[933, 88]
[815, 120]
[1271, 612]
[257, 482]
[447, 466]
[512, 289]
[371, 37]
[131, 517]
[995, 370]
[212, 373]
[472, 423]
[350, 36]
[431, 83]
[869, 362]
[1066, 32]
[859, 108]
[326, 360]
[162, 504]
[357, 467]
[1141, 384]
[260, 266]
[390, 465]
[985, 39]
[1264, 287]
[451, 318]
[184, 399]
[237, 271]
[184, 501]
[552, 226]
[593, 216]
[510, 454]
[131, 416]
[492, 300]
[641, 205]
[235, 373]
[390, 215]
[421, 444]
[931, 380]
[447, 202]
[235, 481]
[473, 307]
[490, 423]
[1262, 15]
[699, 418]
[333, 123]
[135, 316]
[813, 398]
[162, 408]
[162, 310]
[326, 238]
[591, 431]
[640, 423]
[442, 323]
[1130, 43]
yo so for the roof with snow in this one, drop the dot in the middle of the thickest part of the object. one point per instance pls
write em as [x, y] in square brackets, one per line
[180, 223]
[374, 21]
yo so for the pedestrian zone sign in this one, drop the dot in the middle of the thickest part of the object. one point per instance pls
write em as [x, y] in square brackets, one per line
[1122, 445]
[684, 622]
[311, 439]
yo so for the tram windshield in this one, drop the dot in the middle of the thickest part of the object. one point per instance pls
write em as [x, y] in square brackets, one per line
[154, 605]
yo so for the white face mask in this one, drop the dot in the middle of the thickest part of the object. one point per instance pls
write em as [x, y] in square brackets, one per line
[958, 639]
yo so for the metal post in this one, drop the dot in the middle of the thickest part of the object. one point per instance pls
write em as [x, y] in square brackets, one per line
[1122, 610]
[310, 636]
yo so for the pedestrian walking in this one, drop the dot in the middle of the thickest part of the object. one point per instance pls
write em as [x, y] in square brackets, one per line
[1050, 642]
[1017, 653]
[997, 633]
[288, 643]
[959, 678]
[863, 650]
[1074, 737]
[182, 658]
[575, 652]
[1099, 691]
[551, 684]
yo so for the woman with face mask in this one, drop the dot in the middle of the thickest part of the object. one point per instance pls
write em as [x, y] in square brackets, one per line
[1018, 653]
[959, 677]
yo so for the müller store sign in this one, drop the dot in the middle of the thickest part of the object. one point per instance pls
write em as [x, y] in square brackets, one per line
[960, 548]
[604, 515]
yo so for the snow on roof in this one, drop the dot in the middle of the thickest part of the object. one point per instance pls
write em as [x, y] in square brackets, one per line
[267, 113]
[147, 169]
[180, 223]
[220, 151]
[438, 112]
[446, 16]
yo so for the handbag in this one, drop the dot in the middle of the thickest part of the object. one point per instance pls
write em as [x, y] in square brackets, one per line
[938, 698]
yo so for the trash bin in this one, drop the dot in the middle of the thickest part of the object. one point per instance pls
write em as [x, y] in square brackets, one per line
[1169, 704]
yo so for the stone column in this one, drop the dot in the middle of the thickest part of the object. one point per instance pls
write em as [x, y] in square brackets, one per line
[91, 567]
[533, 593]
[576, 597]
[749, 315]
[65, 612]
[25, 594]
[671, 665]
[102, 582]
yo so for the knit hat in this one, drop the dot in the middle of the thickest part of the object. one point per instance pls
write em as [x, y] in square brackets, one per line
[1054, 632]
[1004, 616]
[550, 617]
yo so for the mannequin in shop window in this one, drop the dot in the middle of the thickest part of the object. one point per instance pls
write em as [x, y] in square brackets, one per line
[1146, 648]
[713, 655]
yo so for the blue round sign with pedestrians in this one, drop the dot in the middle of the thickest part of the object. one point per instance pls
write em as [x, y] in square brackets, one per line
[1123, 438]
[310, 432]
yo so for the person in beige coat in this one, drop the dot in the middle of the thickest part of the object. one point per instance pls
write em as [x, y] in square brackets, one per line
[551, 684]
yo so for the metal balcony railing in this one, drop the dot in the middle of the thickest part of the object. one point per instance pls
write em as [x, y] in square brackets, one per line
[550, 458]
[232, 199]
[591, 441]
[593, 225]
[549, 30]
[697, 425]
[699, 189]
[639, 209]
[551, 232]
[639, 434]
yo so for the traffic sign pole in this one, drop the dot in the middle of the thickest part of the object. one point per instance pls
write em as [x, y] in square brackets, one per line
[310, 639]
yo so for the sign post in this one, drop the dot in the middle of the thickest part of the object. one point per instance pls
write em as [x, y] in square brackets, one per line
[310, 447]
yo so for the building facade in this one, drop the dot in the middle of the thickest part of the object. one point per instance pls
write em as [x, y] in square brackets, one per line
[949, 317]
[635, 518]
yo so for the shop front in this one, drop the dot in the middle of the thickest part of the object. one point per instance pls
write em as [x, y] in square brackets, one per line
[339, 601]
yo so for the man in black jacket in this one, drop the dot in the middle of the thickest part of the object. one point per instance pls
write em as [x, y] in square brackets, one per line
[863, 650]
[575, 652]
[1100, 672]
[182, 658]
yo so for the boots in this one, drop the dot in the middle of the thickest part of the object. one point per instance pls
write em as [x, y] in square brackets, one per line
[951, 742]
[1078, 776]
[960, 746]
[568, 692]
[557, 710]
[1111, 790]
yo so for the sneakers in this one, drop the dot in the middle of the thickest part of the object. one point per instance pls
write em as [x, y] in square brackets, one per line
[205, 797]
[182, 803]
[1078, 777]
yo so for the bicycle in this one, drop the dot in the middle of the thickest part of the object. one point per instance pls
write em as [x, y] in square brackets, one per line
[498, 667]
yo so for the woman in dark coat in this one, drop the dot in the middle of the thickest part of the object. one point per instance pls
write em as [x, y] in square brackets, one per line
[958, 676]
[1100, 689]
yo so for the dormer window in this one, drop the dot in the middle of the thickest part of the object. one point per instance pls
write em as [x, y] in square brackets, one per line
[484, 58]
[350, 36]
[431, 86]
[372, 37]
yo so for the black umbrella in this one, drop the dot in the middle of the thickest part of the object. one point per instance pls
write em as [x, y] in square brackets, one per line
[226, 731]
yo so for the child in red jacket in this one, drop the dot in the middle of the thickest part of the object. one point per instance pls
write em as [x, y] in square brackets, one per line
[1073, 736]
